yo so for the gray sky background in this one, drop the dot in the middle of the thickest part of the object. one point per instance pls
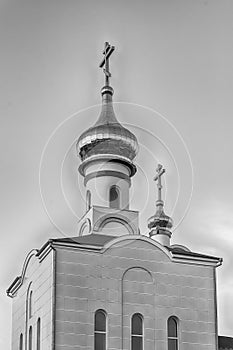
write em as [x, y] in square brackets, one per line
[174, 57]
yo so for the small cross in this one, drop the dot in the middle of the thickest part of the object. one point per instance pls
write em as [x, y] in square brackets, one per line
[160, 171]
[108, 50]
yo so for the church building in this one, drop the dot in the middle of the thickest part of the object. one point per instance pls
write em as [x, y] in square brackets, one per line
[110, 287]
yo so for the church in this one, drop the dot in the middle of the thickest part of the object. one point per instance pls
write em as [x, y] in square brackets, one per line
[110, 287]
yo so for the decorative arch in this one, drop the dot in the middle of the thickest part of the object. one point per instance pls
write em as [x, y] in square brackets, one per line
[85, 225]
[27, 314]
[145, 277]
[30, 304]
[29, 301]
[104, 220]
[117, 220]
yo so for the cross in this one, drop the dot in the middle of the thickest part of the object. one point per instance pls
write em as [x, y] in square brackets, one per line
[108, 50]
[160, 171]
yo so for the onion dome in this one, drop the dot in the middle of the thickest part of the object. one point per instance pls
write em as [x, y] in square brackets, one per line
[160, 223]
[107, 136]
[160, 219]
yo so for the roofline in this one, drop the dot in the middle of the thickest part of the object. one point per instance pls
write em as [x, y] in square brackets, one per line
[108, 245]
[198, 260]
[38, 253]
[173, 256]
[177, 257]
[76, 245]
[47, 243]
[18, 281]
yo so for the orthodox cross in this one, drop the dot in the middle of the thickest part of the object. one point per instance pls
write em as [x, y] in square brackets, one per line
[108, 50]
[160, 171]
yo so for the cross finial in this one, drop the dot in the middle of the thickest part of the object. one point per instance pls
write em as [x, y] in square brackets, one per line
[160, 171]
[108, 50]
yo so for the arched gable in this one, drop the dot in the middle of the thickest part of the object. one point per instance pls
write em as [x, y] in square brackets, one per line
[119, 241]
[17, 283]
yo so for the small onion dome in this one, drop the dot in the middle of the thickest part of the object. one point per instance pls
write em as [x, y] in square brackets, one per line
[107, 136]
[160, 219]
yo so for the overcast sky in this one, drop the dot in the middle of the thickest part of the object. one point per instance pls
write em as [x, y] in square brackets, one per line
[173, 80]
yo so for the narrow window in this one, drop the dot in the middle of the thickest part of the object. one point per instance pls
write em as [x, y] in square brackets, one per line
[21, 342]
[114, 197]
[38, 334]
[100, 330]
[30, 338]
[172, 333]
[30, 304]
[88, 200]
[137, 332]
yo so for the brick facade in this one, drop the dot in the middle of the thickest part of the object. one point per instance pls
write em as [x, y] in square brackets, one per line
[123, 276]
[133, 276]
[37, 277]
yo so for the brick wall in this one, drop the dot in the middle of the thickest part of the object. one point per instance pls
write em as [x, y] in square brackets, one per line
[39, 277]
[132, 276]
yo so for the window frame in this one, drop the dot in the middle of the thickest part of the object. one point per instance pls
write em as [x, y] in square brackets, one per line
[21, 341]
[101, 332]
[88, 200]
[38, 334]
[115, 203]
[174, 318]
[30, 338]
[141, 336]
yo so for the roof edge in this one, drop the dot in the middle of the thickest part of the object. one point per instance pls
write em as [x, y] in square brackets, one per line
[18, 281]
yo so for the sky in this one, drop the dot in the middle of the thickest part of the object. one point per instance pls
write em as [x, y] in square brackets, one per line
[173, 80]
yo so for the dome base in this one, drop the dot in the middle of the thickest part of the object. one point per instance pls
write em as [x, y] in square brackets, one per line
[108, 158]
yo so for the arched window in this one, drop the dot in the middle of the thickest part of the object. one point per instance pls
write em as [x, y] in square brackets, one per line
[114, 197]
[100, 330]
[172, 330]
[30, 338]
[137, 332]
[88, 200]
[38, 331]
[30, 304]
[21, 342]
